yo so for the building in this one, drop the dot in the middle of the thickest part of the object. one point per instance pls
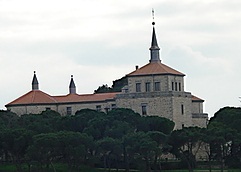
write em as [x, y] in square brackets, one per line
[154, 89]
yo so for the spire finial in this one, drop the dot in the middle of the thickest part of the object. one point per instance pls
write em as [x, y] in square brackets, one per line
[153, 17]
[155, 57]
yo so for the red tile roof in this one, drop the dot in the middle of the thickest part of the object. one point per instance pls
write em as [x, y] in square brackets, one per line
[155, 68]
[39, 97]
[85, 97]
[196, 99]
[33, 97]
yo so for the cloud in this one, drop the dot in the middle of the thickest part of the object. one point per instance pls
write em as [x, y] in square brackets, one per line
[100, 41]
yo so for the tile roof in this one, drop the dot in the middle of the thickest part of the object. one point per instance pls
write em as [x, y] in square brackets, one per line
[33, 97]
[85, 97]
[196, 99]
[39, 97]
[155, 68]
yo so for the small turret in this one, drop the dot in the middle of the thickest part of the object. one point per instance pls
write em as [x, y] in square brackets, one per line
[72, 88]
[35, 82]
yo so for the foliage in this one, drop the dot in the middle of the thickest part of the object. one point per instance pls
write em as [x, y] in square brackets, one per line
[120, 138]
[116, 87]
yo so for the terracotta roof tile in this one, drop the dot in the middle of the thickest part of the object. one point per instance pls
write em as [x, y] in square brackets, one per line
[39, 97]
[33, 97]
[155, 68]
[85, 97]
[196, 99]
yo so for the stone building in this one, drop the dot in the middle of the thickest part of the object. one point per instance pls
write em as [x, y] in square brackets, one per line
[154, 89]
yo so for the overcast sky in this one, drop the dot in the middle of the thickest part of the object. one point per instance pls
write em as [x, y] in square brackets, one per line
[99, 41]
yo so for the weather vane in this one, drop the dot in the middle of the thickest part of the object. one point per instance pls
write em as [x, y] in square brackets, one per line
[153, 17]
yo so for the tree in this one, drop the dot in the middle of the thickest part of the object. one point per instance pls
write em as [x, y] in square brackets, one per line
[73, 147]
[14, 143]
[140, 146]
[185, 144]
[226, 126]
[8, 119]
[155, 123]
[109, 149]
[116, 87]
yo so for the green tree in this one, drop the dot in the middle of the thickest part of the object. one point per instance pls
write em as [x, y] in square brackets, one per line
[226, 126]
[14, 144]
[8, 119]
[109, 149]
[140, 146]
[155, 123]
[185, 144]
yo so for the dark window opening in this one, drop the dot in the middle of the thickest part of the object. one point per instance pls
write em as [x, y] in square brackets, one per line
[144, 110]
[69, 110]
[113, 106]
[182, 109]
[157, 86]
[98, 108]
[138, 87]
[148, 86]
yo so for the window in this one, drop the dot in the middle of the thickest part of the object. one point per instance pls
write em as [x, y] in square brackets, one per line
[172, 86]
[98, 108]
[180, 89]
[69, 110]
[157, 86]
[175, 86]
[182, 109]
[107, 110]
[183, 126]
[144, 109]
[138, 87]
[113, 106]
[148, 86]
[48, 108]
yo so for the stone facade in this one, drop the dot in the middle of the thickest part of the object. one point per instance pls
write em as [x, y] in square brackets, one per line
[154, 89]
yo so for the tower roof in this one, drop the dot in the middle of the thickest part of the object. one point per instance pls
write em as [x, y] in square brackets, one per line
[154, 44]
[72, 87]
[155, 69]
[72, 84]
[35, 84]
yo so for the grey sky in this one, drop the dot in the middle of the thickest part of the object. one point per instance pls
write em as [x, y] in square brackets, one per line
[100, 41]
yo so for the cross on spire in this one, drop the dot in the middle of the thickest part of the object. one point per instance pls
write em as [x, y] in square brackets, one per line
[154, 50]
[153, 17]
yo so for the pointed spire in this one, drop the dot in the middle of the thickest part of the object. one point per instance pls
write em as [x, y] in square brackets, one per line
[72, 88]
[154, 50]
[35, 82]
